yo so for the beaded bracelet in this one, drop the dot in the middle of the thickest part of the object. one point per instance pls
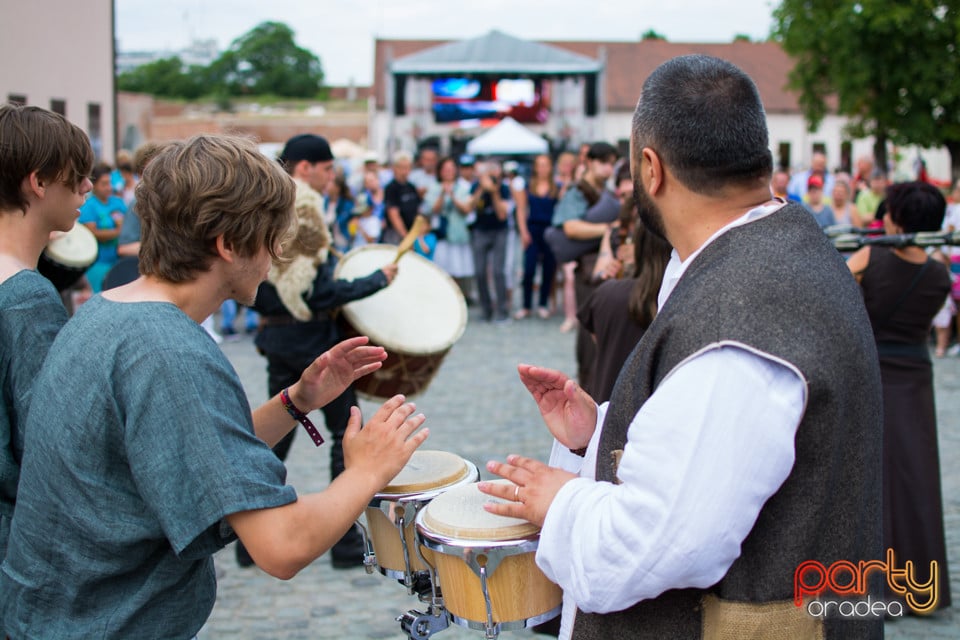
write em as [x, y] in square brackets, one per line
[300, 417]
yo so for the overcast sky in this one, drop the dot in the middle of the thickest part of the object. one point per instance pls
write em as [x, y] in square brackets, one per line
[341, 32]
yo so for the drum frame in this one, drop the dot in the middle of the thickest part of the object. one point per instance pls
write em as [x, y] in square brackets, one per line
[402, 509]
[482, 557]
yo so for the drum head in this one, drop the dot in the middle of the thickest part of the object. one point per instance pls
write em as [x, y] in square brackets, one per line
[76, 248]
[422, 312]
[459, 514]
[428, 470]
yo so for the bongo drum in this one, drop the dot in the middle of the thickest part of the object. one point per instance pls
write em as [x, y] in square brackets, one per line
[391, 514]
[416, 319]
[67, 258]
[485, 563]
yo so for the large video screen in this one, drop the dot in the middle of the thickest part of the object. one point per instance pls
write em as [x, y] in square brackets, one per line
[460, 100]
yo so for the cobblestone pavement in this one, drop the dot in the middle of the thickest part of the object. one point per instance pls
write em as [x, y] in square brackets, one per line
[476, 408]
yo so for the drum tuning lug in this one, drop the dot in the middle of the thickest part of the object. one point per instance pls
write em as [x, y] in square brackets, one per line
[369, 555]
[420, 626]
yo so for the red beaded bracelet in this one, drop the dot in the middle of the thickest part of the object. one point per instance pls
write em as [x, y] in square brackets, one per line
[300, 417]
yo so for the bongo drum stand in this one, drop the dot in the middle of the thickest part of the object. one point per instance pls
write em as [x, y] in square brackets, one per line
[420, 626]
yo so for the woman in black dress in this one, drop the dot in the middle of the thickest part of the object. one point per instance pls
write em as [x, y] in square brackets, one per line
[903, 288]
[618, 312]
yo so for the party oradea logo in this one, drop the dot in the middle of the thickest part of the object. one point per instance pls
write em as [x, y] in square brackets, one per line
[814, 583]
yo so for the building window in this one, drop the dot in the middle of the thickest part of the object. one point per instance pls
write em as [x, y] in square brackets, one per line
[846, 156]
[95, 129]
[17, 98]
[783, 156]
[58, 106]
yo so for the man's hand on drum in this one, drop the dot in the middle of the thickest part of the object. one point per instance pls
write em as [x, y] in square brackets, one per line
[534, 487]
[330, 374]
[384, 445]
[389, 270]
[568, 411]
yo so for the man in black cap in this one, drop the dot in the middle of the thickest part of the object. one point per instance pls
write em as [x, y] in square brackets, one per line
[297, 303]
[308, 158]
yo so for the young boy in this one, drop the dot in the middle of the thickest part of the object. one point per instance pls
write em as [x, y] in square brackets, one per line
[142, 457]
[44, 164]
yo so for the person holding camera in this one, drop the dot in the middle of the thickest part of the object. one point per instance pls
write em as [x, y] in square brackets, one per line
[490, 199]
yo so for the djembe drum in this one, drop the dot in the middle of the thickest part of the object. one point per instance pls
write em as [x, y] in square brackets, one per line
[416, 319]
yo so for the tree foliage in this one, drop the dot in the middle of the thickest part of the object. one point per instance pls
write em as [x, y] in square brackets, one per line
[650, 34]
[263, 61]
[165, 78]
[888, 66]
[266, 60]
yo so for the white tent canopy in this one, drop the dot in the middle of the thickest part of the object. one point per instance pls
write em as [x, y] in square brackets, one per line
[509, 137]
[347, 149]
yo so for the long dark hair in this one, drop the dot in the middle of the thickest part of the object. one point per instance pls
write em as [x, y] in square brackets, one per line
[590, 192]
[651, 254]
[534, 182]
[343, 190]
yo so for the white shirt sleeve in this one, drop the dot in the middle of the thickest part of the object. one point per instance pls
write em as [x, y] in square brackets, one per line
[703, 455]
[563, 458]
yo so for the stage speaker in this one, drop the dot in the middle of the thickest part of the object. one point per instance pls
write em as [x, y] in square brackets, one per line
[590, 96]
[399, 95]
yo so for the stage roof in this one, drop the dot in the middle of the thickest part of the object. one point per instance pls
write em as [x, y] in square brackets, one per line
[495, 53]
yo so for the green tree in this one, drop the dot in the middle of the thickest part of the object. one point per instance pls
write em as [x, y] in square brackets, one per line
[166, 78]
[888, 66]
[266, 60]
[650, 34]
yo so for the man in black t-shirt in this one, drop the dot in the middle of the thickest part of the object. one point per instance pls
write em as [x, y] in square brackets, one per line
[489, 236]
[400, 199]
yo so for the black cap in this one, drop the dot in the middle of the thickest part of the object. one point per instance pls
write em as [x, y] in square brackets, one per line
[306, 146]
[467, 160]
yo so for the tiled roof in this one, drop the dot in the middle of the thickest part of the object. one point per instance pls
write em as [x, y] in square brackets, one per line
[629, 64]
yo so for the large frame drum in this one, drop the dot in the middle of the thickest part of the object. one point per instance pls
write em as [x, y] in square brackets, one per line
[392, 512]
[485, 563]
[65, 259]
[416, 319]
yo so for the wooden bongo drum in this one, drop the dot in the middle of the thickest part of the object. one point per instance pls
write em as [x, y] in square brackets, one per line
[485, 563]
[416, 319]
[391, 514]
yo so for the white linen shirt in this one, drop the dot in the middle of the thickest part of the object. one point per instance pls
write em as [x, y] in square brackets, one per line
[703, 455]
